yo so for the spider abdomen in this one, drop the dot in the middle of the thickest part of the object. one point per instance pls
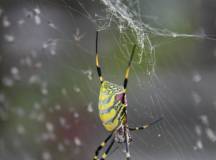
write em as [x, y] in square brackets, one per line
[110, 105]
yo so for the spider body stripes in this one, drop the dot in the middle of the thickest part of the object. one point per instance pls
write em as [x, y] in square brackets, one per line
[110, 105]
[112, 109]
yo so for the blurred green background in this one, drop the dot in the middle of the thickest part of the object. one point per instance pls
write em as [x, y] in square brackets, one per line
[49, 86]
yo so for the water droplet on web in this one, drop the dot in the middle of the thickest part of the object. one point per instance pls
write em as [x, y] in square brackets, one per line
[37, 20]
[174, 35]
[44, 91]
[76, 89]
[34, 79]
[120, 28]
[37, 11]
[62, 121]
[52, 25]
[20, 129]
[15, 73]
[46, 155]
[6, 23]
[196, 97]
[14, 70]
[45, 45]
[90, 108]
[77, 141]
[76, 115]
[210, 135]
[88, 73]
[57, 107]
[53, 52]
[197, 77]
[51, 46]
[77, 35]
[21, 22]
[198, 130]
[49, 127]
[8, 82]
[204, 119]
[9, 38]
[64, 91]
[199, 145]
[61, 147]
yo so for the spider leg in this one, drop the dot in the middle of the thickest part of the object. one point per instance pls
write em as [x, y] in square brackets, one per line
[120, 113]
[126, 134]
[97, 60]
[146, 126]
[104, 155]
[127, 143]
[128, 67]
[101, 146]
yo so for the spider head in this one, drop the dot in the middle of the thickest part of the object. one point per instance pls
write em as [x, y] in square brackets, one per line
[120, 96]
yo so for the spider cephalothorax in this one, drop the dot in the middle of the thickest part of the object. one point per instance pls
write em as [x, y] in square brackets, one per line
[120, 134]
[113, 111]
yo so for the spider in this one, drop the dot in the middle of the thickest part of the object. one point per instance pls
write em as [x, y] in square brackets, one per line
[113, 111]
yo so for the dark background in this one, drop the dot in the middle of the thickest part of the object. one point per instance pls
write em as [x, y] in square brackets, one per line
[49, 86]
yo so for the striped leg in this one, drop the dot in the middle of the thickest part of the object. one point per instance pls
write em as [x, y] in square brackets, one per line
[127, 144]
[120, 113]
[128, 68]
[97, 60]
[104, 156]
[146, 126]
[124, 113]
[102, 145]
[127, 73]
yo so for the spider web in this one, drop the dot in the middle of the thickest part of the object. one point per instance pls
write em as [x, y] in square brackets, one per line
[49, 89]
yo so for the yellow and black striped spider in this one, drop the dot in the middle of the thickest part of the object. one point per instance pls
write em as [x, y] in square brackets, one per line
[113, 111]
